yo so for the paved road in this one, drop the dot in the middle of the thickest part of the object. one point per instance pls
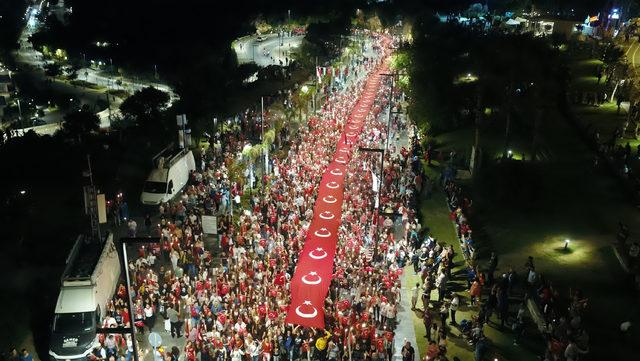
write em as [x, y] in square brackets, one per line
[33, 64]
[633, 54]
[274, 50]
[96, 77]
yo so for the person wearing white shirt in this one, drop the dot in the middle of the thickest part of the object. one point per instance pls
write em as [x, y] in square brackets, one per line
[414, 296]
[239, 326]
[531, 277]
[453, 307]
[253, 349]
[236, 354]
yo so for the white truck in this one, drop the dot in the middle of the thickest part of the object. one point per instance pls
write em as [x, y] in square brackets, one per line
[88, 283]
[170, 175]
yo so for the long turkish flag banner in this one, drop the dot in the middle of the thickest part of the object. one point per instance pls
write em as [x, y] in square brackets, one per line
[312, 277]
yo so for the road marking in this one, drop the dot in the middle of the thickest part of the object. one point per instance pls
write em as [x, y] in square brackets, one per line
[630, 46]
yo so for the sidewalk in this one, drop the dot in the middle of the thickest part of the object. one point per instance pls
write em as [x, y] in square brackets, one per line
[405, 329]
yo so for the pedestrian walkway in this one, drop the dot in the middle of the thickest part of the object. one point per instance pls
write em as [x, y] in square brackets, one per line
[405, 330]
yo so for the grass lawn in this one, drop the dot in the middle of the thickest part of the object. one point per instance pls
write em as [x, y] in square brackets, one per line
[583, 71]
[435, 215]
[524, 209]
[604, 118]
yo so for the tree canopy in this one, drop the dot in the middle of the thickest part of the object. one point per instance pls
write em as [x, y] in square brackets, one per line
[145, 106]
[80, 123]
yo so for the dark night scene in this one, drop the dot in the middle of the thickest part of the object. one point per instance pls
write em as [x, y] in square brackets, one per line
[306, 180]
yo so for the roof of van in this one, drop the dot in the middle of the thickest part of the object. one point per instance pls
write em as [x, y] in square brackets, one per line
[83, 259]
[76, 299]
[158, 175]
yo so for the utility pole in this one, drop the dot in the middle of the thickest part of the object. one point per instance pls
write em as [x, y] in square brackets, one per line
[109, 107]
[124, 265]
[392, 75]
[266, 147]
[386, 146]
[19, 112]
[91, 205]
[376, 205]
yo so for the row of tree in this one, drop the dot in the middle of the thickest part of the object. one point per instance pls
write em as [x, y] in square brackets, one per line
[461, 75]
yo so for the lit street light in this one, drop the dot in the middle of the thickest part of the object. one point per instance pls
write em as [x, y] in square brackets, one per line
[566, 244]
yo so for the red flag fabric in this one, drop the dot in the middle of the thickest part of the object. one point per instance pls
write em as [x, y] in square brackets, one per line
[312, 277]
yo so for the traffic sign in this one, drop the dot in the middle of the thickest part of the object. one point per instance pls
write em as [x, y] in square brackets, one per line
[155, 340]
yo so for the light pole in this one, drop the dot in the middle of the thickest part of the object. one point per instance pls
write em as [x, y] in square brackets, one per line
[124, 265]
[376, 205]
[19, 112]
[264, 145]
[215, 129]
[392, 75]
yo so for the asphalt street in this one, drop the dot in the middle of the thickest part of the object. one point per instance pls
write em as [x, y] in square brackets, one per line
[633, 54]
[273, 50]
[32, 62]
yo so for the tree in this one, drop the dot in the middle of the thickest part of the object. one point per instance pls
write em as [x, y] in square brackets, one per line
[80, 123]
[52, 69]
[145, 107]
[612, 56]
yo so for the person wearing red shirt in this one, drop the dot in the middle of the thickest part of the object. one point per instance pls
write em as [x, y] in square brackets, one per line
[190, 351]
[266, 349]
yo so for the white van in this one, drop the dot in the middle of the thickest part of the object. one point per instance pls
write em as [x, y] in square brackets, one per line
[88, 283]
[168, 178]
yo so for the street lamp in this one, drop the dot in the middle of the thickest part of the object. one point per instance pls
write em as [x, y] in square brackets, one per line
[124, 265]
[566, 244]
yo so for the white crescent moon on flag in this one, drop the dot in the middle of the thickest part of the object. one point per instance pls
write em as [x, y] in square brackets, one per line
[327, 215]
[333, 185]
[315, 282]
[324, 233]
[329, 199]
[312, 254]
[306, 315]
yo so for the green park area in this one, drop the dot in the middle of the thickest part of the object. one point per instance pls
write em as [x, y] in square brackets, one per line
[529, 208]
[435, 216]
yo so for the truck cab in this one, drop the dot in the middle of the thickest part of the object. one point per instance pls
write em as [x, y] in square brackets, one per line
[73, 330]
[170, 175]
[88, 283]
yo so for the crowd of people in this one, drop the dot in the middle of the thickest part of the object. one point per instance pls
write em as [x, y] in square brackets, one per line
[490, 293]
[228, 298]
